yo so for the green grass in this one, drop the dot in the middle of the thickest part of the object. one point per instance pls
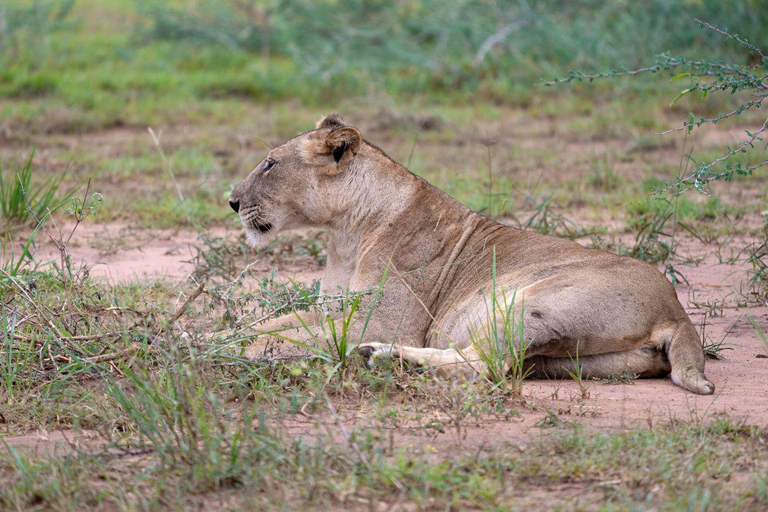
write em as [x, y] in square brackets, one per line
[21, 201]
[201, 458]
[172, 418]
[499, 341]
[147, 64]
[223, 136]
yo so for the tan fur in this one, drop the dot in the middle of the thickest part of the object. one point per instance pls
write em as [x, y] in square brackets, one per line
[618, 314]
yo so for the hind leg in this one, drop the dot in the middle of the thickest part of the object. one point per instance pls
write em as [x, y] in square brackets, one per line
[644, 362]
[580, 326]
[687, 359]
[674, 350]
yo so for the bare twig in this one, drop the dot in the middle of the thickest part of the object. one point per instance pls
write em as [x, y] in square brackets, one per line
[132, 349]
[192, 297]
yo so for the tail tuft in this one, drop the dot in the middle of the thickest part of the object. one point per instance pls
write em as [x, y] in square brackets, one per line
[686, 357]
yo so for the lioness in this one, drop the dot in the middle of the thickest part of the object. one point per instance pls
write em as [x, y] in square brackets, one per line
[612, 314]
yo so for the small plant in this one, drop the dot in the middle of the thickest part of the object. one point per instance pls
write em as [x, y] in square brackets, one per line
[543, 220]
[652, 243]
[19, 199]
[79, 210]
[712, 308]
[552, 420]
[500, 341]
[12, 264]
[187, 426]
[289, 248]
[603, 177]
[282, 298]
[458, 400]
[757, 276]
[336, 338]
[714, 349]
[760, 332]
[243, 308]
[18, 354]
[623, 378]
[577, 373]
[218, 257]
[674, 275]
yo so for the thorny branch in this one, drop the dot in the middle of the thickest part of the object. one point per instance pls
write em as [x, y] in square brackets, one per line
[666, 63]
[698, 179]
[726, 77]
[714, 120]
[745, 44]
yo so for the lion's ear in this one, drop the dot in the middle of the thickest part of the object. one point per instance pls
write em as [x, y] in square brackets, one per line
[343, 144]
[332, 121]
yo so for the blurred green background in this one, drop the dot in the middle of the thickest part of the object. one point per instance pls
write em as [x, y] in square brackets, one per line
[112, 62]
[435, 83]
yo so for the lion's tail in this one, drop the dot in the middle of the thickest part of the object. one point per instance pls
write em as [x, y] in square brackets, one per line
[687, 359]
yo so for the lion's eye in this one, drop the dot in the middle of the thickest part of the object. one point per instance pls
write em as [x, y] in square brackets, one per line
[268, 165]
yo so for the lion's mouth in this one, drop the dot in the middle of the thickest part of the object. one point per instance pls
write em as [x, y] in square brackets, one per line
[261, 228]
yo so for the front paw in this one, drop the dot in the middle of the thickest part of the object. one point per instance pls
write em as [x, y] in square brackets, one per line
[374, 351]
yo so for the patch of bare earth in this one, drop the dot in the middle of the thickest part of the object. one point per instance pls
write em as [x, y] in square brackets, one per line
[119, 253]
[54, 442]
[715, 296]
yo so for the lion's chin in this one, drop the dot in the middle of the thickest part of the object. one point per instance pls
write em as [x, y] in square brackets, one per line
[257, 238]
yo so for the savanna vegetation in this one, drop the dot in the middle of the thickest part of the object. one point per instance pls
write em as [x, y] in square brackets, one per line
[125, 124]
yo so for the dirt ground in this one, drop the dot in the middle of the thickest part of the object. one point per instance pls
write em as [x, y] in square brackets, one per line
[711, 297]
[713, 293]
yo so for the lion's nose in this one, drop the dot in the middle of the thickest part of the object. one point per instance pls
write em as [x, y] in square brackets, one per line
[235, 205]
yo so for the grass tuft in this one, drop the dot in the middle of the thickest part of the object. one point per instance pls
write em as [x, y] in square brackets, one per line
[20, 200]
[500, 341]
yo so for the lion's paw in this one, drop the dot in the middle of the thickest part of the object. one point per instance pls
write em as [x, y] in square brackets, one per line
[374, 351]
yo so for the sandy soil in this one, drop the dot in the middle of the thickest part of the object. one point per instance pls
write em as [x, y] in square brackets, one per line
[119, 253]
[56, 442]
[713, 298]
[714, 295]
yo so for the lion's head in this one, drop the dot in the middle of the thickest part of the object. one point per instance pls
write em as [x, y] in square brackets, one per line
[300, 183]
